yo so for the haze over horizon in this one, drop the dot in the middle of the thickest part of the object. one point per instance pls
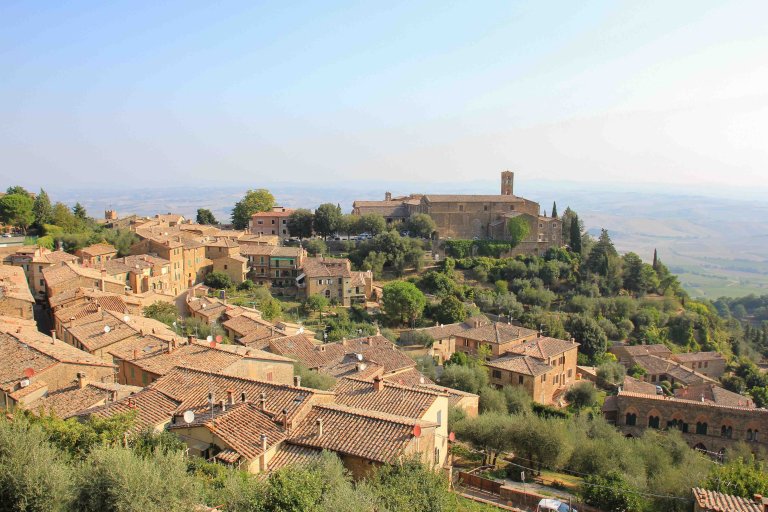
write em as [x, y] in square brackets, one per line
[186, 93]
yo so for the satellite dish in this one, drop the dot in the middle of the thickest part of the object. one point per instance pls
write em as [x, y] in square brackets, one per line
[359, 357]
[301, 330]
[107, 329]
[209, 338]
[126, 319]
[417, 431]
[421, 380]
[189, 417]
[174, 324]
[29, 372]
[452, 436]
[219, 338]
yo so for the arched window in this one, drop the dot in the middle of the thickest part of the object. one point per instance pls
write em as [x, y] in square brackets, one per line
[631, 419]
[749, 435]
[726, 431]
[653, 421]
[701, 428]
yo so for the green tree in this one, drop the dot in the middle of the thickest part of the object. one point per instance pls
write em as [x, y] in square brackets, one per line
[16, 210]
[79, 211]
[471, 379]
[450, 310]
[739, 477]
[554, 209]
[313, 379]
[327, 219]
[759, 395]
[270, 309]
[408, 486]
[610, 374]
[254, 201]
[601, 254]
[372, 223]
[421, 225]
[518, 229]
[316, 247]
[610, 493]
[17, 189]
[161, 311]
[492, 400]
[316, 302]
[117, 480]
[591, 336]
[205, 216]
[581, 395]
[42, 209]
[34, 476]
[574, 235]
[218, 280]
[403, 302]
[489, 433]
[374, 262]
[300, 223]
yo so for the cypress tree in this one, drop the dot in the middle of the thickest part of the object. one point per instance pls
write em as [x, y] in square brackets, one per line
[42, 209]
[554, 209]
[655, 259]
[575, 235]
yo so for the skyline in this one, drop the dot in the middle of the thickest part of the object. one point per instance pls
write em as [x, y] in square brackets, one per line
[245, 94]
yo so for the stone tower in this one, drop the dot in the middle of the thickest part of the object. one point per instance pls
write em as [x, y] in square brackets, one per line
[507, 183]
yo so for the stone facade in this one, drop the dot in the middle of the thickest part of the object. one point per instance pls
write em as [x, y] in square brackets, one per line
[274, 222]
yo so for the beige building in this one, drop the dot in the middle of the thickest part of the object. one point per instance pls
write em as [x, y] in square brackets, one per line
[334, 279]
[95, 255]
[276, 267]
[186, 256]
[33, 264]
[274, 222]
[711, 364]
[236, 267]
[68, 276]
[15, 296]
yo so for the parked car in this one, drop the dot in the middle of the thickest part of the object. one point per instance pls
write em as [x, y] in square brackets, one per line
[7, 235]
[659, 390]
[548, 504]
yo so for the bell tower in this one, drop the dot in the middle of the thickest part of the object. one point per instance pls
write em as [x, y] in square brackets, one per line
[507, 183]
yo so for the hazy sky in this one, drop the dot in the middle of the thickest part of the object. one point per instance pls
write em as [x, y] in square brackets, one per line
[129, 93]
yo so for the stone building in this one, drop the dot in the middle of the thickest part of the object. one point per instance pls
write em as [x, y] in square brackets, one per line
[334, 279]
[704, 425]
[33, 264]
[273, 222]
[15, 296]
[94, 255]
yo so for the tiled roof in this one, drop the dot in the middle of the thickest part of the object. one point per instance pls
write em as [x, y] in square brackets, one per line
[630, 394]
[544, 347]
[454, 395]
[191, 387]
[370, 435]
[221, 242]
[409, 377]
[245, 324]
[31, 349]
[278, 213]
[638, 386]
[497, 333]
[472, 198]
[690, 357]
[260, 336]
[152, 408]
[656, 365]
[391, 398]
[524, 365]
[13, 283]
[326, 267]
[713, 393]
[241, 426]
[94, 336]
[641, 350]
[153, 356]
[66, 401]
[712, 501]
[58, 274]
[290, 454]
[54, 257]
[98, 250]
[271, 250]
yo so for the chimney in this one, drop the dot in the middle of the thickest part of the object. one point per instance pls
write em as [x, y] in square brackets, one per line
[18, 330]
[113, 396]
[223, 405]
[242, 397]
[378, 384]
[264, 442]
[263, 402]
[297, 381]
[102, 283]
[319, 423]
[81, 381]
[387, 196]
[135, 354]
[285, 420]
[53, 336]
[231, 396]
[189, 339]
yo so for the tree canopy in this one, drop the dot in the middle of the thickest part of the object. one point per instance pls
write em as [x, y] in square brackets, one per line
[254, 201]
[403, 302]
[205, 216]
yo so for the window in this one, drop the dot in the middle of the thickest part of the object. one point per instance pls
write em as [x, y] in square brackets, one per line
[570, 372]
[270, 377]
[544, 378]
[273, 221]
[439, 418]
[706, 364]
[144, 378]
[726, 431]
[133, 371]
[653, 421]
[485, 207]
[520, 379]
[42, 283]
[339, 280]
[225, 267]
[461, 207]
[466, 343]
[701, 428]
[631, 419]
[437, 455]
[496, 374]
[40, 268]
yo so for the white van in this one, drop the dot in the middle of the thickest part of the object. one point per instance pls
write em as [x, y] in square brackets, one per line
[550, 505]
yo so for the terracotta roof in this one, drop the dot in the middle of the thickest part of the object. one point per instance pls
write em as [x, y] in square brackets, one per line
[409, 377]
[221, 242]
[690, 357]
[245, 324]
[54, 257]
[240, 426]
[98, 250]
[638, 386]
[152, 407]
[710, 392]
[153, 355]
[497, 333]
[656, 365]
[13, 283]
[290, 455]
[524, 365]
[326, 267]
[278, 213]
[207, 307]
[57, 274]
[260, 336]
[712, 501]
[544, 347]
[370, 435]
[95, 335]
[67, 401]
[630, 394]
[641, 350]
[271, 250]
[454, 395]
[391, 398]
[473, 198]
[191, 387]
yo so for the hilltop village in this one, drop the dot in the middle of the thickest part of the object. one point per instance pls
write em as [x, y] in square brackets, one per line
[470, 343]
